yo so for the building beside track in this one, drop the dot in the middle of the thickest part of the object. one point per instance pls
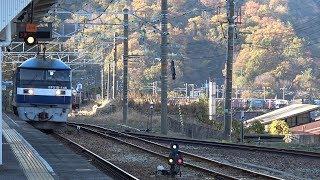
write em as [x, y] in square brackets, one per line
[294, 115]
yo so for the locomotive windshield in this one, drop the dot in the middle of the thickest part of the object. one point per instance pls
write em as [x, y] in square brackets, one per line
[52, 75]
[28, 74]
[47, 75]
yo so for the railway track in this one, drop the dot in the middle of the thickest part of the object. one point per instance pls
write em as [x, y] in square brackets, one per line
[108, 167]
[165, 139]
[226, 145]
[199, 163]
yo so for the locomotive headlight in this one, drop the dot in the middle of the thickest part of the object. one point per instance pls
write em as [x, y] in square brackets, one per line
[28, 91]
[60, 92]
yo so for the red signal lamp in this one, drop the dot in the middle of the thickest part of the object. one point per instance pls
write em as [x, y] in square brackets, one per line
[180, 161]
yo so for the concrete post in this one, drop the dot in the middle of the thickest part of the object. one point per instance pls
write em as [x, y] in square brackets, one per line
[125, 65]
[164, 64]
[212, 99]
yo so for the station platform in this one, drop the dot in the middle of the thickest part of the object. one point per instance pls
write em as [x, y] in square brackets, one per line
[30, 154]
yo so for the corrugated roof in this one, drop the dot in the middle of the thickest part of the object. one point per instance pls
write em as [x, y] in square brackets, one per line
[41, 7]
[310, 128]
[9, 9]
[285, 112]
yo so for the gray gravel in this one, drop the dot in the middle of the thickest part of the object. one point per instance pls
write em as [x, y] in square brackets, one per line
[293, 167]
[197, 161]
[132, 160]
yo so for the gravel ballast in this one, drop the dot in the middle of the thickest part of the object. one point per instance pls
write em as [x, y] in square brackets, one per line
[136, 162]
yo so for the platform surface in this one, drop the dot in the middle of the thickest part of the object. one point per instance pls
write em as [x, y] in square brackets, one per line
[30, 154]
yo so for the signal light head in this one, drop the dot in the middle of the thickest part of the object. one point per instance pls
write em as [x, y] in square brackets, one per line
[30, 39]
[175, 146]
[170, 161]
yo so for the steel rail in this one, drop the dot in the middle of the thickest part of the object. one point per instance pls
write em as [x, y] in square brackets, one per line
[224, 145]
[216, 173]
[105, 165]
[196, 158]
[227, 145]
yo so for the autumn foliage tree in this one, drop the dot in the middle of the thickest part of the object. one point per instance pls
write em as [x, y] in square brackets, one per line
[268, 52]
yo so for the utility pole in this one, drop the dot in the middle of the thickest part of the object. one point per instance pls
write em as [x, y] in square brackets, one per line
[207, 88]
[228, 78]
[236, 92]
[108, 82]
[164, 64]
[212, 99]
[102, 81]
[192, 90]
[125, 64]
[186, 90]
[114, 68]
[283, 92]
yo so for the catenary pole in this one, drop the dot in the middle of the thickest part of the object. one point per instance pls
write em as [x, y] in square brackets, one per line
[102, 81]
[108, 81]
[125, 64]
[114, 68]
[228, 78]
[164, 64]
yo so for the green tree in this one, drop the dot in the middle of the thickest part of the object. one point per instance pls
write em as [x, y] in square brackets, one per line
[256, 128]
[279, 127]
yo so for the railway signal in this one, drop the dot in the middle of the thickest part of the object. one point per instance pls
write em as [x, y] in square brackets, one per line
[175, 160]
[30, 33]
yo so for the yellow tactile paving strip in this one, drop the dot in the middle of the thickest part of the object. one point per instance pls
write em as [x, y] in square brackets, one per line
[33, 165]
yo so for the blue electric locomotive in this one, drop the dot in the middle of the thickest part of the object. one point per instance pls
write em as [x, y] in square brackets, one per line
[42, 90]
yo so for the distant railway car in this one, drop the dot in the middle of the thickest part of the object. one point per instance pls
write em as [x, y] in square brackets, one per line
[237, 103]
[257, 104]
[271, 104]
[42, 90]
[280, 103]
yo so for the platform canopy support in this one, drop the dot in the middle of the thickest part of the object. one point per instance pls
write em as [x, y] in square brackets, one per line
[3, 44]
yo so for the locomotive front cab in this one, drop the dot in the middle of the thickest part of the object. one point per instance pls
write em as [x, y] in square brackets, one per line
[43, 90]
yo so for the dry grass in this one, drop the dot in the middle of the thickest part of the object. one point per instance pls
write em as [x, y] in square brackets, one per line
[135, 119]
[109, 118]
